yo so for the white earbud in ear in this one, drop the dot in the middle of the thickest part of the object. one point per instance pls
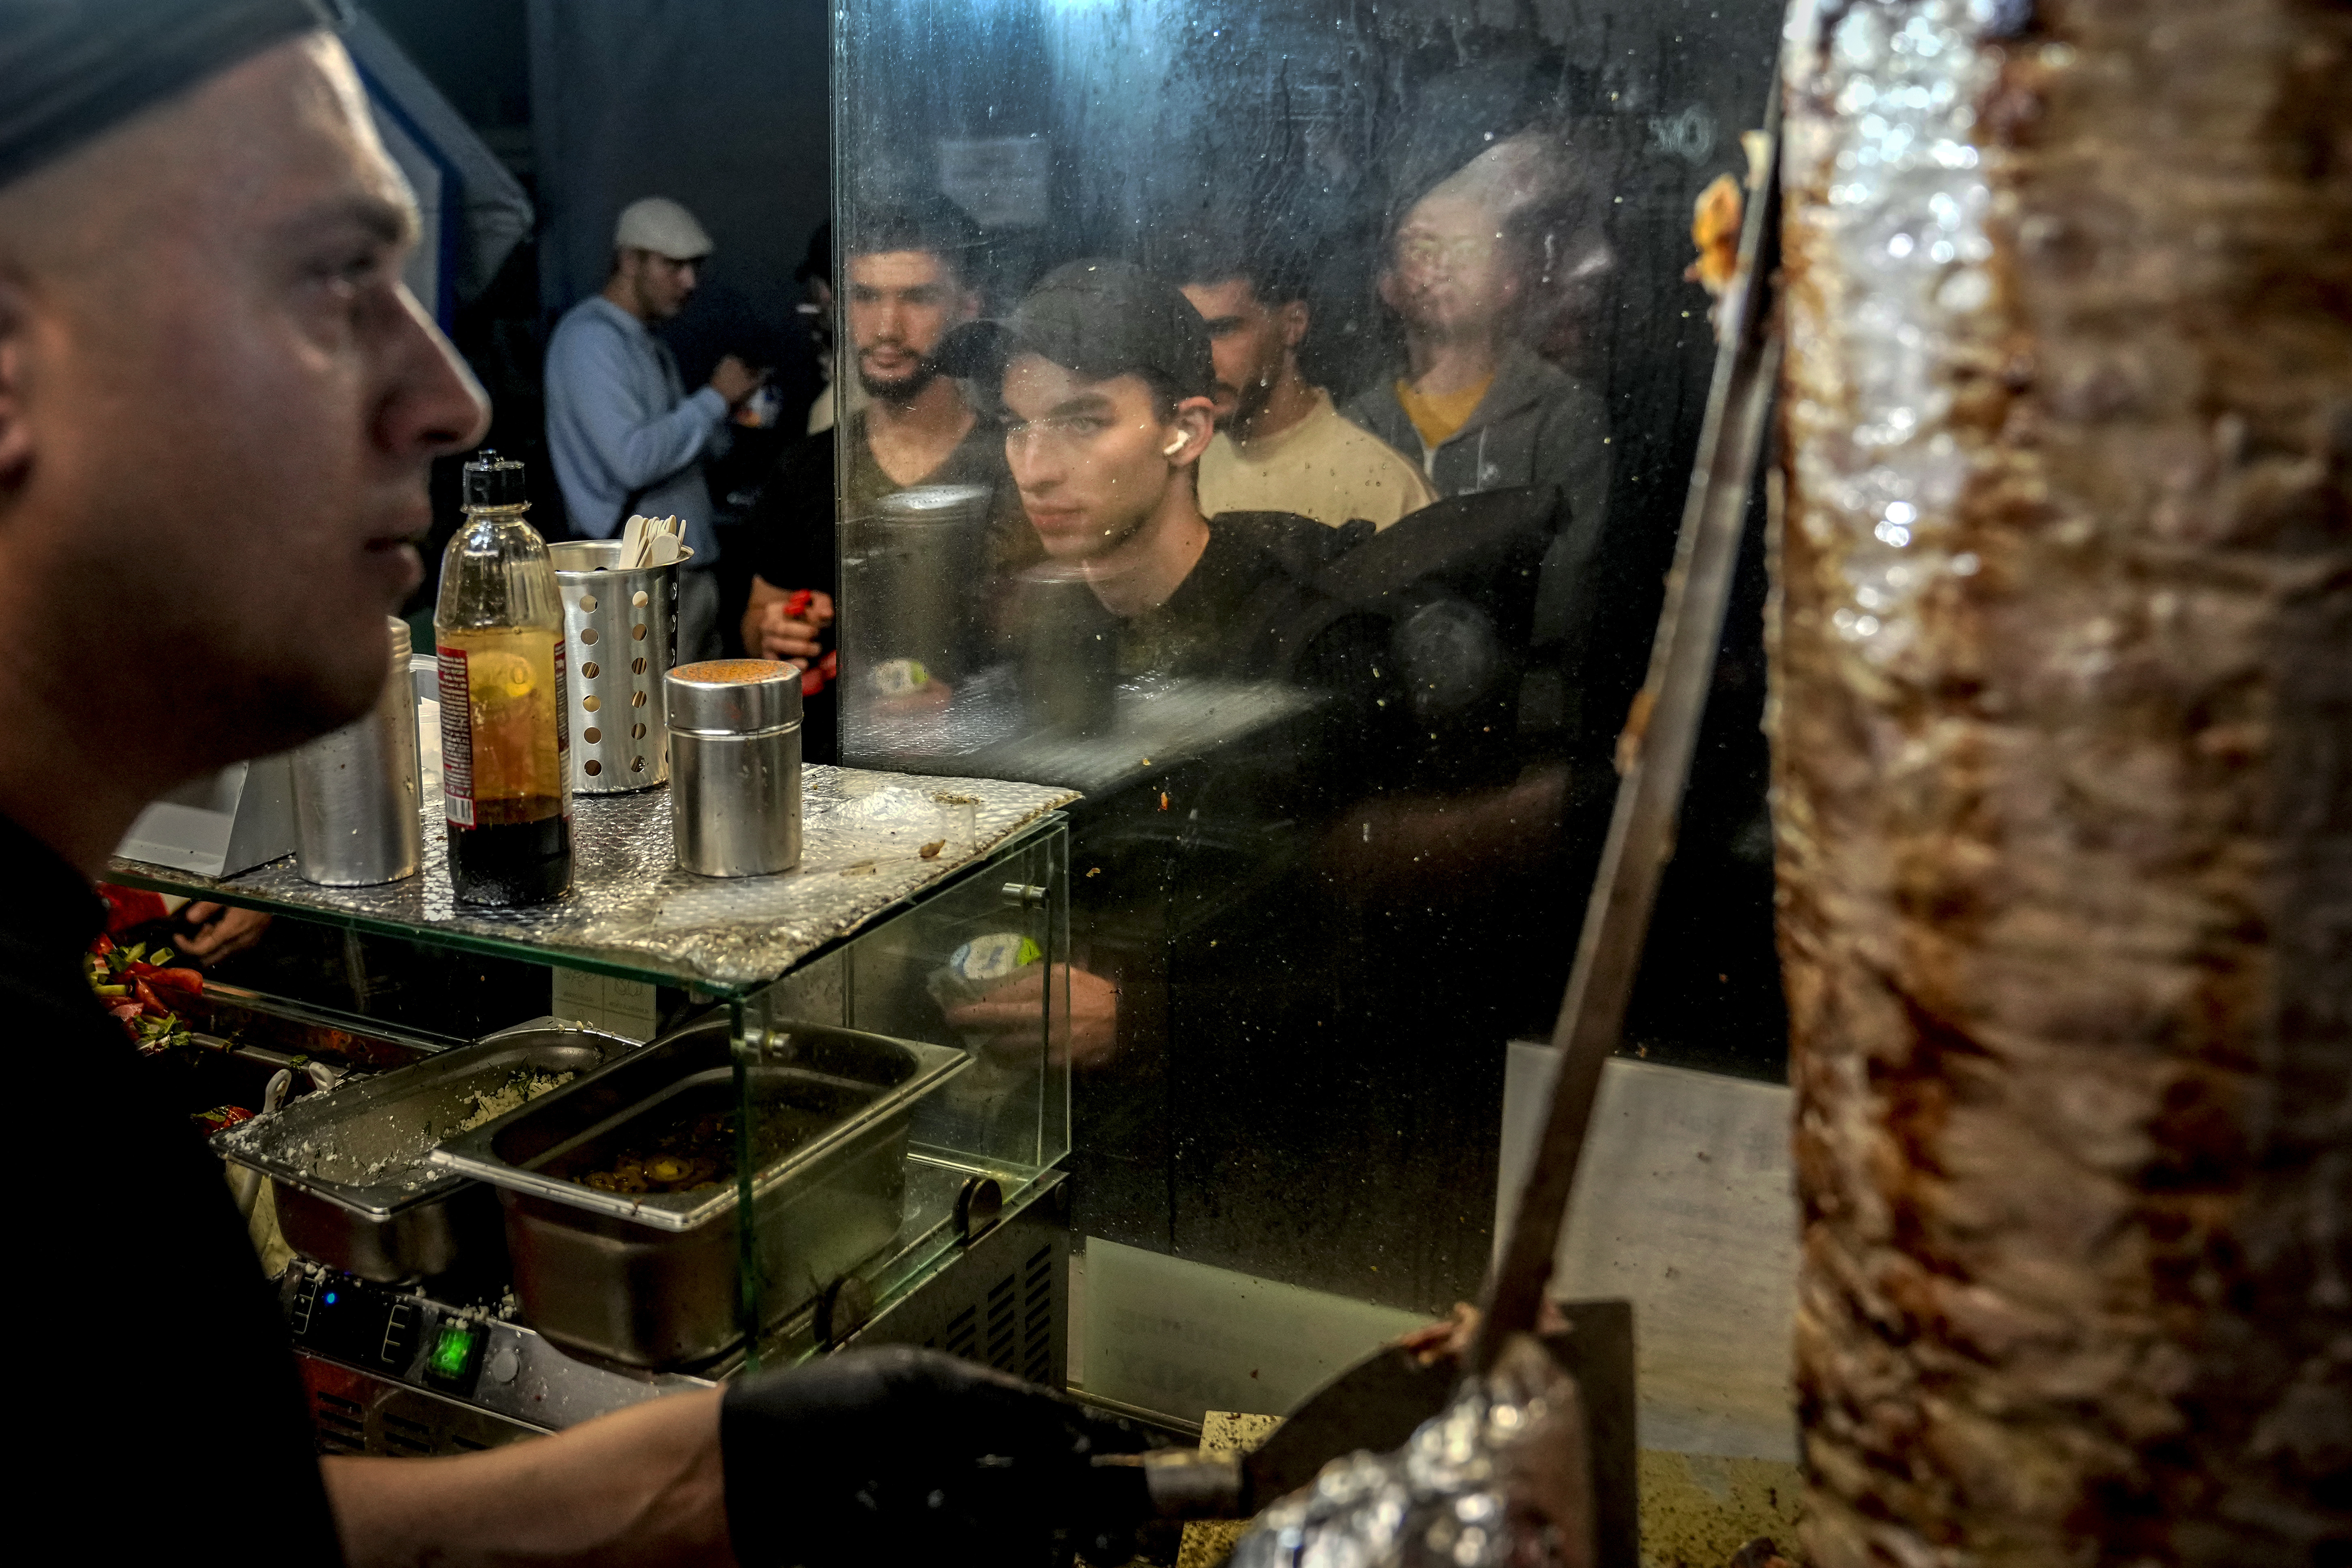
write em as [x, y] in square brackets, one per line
[1174, 447]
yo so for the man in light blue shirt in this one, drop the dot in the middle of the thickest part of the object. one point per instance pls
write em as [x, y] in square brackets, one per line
[623, 433]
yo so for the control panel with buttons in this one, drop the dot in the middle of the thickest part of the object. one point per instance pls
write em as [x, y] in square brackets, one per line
[403, 1335]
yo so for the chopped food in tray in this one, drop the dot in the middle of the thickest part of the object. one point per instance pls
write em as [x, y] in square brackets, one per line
[691, 1148]
[143, 990]
[386, 1151]
[517, 1092]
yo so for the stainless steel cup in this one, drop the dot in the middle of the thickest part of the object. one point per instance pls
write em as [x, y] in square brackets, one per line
[735, 742]
[1068, 644]
[356, 791]
[620, 632]
[915, 562]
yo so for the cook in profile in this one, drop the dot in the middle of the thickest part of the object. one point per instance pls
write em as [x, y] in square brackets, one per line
[194, 202]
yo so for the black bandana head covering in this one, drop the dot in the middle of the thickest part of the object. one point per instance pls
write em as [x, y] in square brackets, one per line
[72, 69]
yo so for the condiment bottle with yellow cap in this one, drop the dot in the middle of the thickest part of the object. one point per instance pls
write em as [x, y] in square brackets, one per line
[505, 741]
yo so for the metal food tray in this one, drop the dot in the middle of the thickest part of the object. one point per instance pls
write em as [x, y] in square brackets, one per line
[350, 1169]
[649, 1279]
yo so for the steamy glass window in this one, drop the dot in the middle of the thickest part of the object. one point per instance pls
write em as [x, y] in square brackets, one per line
[1270, 421]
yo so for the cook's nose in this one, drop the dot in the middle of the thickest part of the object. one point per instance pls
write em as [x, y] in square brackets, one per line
[433, 404]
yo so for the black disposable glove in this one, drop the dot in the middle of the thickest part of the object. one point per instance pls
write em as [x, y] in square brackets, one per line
[897, 1455]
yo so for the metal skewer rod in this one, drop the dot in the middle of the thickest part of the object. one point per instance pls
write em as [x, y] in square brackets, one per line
[1649, 796]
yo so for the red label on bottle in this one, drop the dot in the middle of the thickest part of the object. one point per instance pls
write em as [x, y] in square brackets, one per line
[458, 738]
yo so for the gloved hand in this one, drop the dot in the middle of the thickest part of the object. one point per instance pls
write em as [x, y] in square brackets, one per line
[901, 1456]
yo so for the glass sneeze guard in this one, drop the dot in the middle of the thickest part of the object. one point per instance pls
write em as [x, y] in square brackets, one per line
[634, 915]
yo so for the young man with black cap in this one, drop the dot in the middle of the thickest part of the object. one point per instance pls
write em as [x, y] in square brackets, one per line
[1109, 393]
[217, 407]
[1191, 912]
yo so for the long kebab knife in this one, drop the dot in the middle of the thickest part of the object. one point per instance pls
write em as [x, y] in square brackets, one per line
[1649, 797]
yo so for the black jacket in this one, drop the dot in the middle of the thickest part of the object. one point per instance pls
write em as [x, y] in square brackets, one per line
[161, 1374]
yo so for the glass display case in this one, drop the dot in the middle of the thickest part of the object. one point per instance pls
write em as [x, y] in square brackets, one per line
[867, 1055]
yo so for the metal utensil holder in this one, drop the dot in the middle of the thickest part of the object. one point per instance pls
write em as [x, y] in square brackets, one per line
[356, 791]
[620, 630]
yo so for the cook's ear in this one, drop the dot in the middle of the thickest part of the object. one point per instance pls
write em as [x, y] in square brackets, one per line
[15, 429]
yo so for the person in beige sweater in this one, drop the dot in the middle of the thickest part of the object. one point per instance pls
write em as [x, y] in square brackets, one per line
[1281, 444]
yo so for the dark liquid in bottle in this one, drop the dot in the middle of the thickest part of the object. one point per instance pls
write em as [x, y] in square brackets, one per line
[519, 852]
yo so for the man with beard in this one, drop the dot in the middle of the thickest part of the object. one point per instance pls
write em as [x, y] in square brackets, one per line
[1280, 443]
[906, 287]
[622, 433]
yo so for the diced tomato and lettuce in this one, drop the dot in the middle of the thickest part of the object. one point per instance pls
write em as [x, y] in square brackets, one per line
[144, 990]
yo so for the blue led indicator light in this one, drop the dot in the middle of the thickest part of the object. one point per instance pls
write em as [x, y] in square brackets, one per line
[330, 1298]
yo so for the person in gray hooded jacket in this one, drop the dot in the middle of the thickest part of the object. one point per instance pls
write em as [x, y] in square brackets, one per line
[1482, 410]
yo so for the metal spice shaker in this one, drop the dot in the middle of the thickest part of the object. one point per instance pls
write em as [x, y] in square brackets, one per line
[356, 791]
[735, 766]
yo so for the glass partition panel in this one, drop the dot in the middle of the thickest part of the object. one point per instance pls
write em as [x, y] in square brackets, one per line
[958, 1000]
[1272, 420]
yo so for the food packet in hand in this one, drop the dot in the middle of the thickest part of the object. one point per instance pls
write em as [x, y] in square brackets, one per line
[1501, 1477]
[980, 966]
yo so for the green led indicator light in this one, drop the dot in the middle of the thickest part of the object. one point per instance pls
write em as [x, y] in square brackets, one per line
[452, 1348]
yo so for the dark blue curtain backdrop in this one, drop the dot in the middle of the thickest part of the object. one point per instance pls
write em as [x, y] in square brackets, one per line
[721, 104]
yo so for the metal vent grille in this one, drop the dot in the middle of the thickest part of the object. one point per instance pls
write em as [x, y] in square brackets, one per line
[402, 1435]
[1003, 1304]
[358, 1412]
[341, 1424]
[1037, 1316]
[960, 1331]
[1011, 1327]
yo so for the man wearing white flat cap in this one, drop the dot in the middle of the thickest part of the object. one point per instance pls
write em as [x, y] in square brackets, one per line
[623, 433]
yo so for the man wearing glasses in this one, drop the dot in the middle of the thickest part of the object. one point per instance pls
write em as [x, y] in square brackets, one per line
[1478, 406]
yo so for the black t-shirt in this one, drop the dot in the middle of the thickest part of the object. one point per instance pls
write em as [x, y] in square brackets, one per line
[790, 520]
[168, 1416]
[1255, 607]
[793, 521]
[1199, 630]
